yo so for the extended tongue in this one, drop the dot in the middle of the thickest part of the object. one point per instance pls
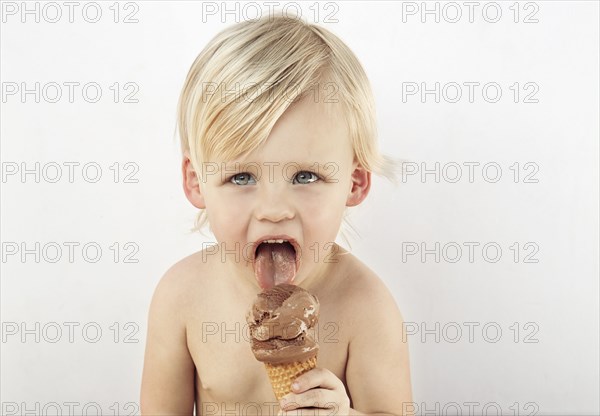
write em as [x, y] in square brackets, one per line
[275, 263]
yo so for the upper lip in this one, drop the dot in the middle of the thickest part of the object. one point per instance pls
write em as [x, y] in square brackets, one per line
[291, 240]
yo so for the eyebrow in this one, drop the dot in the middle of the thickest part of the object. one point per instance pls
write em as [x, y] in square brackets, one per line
[267, 165]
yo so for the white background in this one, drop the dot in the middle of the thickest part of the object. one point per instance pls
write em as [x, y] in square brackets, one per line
[554, 301]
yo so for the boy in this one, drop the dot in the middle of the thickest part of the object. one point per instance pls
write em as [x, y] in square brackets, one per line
[278, 137]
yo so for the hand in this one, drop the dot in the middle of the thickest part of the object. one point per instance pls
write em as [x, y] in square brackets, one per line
[318, 388]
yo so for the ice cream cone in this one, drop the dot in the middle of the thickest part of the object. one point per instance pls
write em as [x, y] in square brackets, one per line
[283, 375]
[279, 320]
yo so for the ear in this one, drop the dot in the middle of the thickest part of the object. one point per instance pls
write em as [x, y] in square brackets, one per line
[191, 184]
[361, 184]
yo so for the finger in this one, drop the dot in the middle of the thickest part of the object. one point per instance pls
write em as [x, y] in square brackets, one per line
[317, 377]
[320, 398]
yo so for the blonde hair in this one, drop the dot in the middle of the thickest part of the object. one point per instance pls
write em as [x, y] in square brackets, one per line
[249, 74]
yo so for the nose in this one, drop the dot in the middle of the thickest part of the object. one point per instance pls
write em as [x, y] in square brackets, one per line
[274, 203]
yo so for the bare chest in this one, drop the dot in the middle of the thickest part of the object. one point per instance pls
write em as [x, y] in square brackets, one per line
[230, 379]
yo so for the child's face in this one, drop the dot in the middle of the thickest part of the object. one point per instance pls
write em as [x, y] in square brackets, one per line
[276, 193]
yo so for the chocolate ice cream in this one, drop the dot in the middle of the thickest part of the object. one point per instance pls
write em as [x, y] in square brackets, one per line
[279, 322]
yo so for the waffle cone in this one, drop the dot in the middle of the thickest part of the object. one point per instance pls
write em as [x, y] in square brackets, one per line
[283, 375]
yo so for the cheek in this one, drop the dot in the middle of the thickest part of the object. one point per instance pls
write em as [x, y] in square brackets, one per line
[226, 214]
[322, 212]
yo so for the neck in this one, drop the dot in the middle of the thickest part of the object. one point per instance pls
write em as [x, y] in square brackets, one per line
[318, 276]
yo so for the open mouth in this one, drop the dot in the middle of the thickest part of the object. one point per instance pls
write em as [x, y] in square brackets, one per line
[275, 262]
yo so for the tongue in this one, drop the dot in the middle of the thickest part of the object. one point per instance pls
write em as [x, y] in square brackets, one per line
[274, 264]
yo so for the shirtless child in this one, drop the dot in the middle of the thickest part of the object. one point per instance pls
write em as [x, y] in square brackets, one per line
[279, 156]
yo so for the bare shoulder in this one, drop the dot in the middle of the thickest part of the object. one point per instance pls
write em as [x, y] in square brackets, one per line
[366, 292]
[178, 281]
[189, 268]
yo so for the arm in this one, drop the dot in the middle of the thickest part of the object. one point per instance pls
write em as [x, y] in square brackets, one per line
[168, 376]
[377, 372]
[377, 369]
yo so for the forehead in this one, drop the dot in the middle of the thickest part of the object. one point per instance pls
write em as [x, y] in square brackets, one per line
[309, 130]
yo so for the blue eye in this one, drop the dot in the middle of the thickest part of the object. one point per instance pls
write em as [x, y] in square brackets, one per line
[242, 179]
[304, 177]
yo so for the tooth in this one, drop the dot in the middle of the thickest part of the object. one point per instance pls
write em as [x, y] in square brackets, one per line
[275, 241]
